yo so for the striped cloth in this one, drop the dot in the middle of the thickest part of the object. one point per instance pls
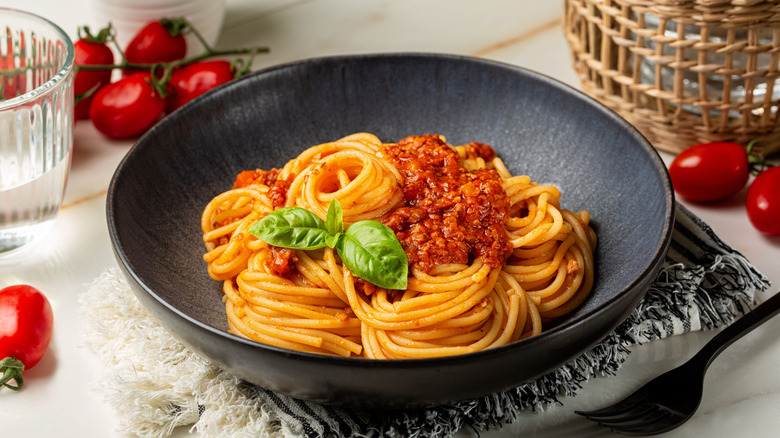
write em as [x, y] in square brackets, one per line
[156, 384]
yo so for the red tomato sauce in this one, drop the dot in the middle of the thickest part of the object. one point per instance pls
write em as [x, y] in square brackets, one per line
[277, 191]
[451, 215]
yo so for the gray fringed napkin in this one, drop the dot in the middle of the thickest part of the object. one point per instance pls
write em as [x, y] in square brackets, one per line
[156, 384]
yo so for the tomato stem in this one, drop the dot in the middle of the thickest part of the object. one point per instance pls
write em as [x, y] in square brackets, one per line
[11, 369]
[756, 164]
[86, 94]
[209, 53]
[197, 34]
[175, 26]
[102, 37]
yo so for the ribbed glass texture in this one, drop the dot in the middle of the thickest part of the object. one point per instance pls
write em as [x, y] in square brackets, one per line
[36, 125]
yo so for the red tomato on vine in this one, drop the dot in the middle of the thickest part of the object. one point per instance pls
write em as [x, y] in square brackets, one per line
[192, 80]
[130, 106]
[90, 50]
[158, 41]
[127, 107]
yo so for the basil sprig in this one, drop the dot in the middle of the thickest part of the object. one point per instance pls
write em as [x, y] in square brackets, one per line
[369, 249]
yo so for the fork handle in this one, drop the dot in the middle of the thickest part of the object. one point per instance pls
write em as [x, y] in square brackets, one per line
[737, 330]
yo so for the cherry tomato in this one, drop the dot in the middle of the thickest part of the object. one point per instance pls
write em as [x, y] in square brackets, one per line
[710, 171]
[194, 79]
[88, 52]
[26, 323]
[158, 41]
[127, 107]
[763, 201]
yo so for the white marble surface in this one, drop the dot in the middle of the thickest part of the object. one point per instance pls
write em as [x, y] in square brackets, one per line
[742, 389]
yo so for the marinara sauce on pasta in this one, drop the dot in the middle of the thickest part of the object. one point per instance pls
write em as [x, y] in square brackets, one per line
[451, 215]
[492, 256]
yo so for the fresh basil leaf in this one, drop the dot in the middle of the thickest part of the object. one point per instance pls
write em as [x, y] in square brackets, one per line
[369, 249]
[372, 252]
[291, 227]
[334, 221]
[332, 241]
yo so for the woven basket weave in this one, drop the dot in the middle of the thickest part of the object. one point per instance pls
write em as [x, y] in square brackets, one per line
[682, 71]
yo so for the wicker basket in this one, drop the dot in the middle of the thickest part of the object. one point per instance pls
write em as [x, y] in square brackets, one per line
[682, 71]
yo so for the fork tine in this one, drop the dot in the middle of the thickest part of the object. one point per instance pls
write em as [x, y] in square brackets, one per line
[651, 417]
[639, 412]
[658, 422]
[619, 408]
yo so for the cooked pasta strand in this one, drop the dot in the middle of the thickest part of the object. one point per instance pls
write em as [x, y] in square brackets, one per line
[310, 301]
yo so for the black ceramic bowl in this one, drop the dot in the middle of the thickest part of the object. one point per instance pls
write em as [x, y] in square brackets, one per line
[538, 126]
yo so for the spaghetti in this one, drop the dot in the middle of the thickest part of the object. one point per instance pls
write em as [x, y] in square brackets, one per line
[492, 256]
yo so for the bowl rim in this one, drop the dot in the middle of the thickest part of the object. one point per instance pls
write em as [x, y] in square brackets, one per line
[659, 252]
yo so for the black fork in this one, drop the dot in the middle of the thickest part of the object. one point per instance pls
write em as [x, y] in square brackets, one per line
[671, 399]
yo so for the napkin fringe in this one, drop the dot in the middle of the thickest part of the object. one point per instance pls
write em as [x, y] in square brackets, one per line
[683, 299]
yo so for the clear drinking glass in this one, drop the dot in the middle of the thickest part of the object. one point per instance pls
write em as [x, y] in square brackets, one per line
[36, 125]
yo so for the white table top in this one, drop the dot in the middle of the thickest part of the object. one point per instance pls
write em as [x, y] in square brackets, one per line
[742, 389]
